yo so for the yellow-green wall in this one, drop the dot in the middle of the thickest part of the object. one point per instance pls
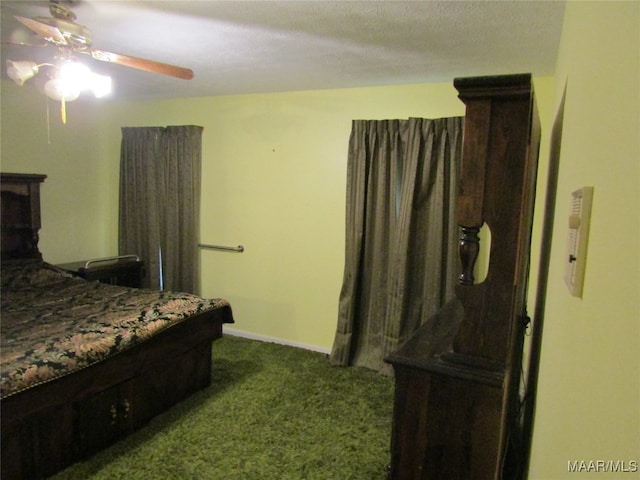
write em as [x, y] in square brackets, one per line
[78, 196]
[274, 175]
[589, 388]
[273, 180]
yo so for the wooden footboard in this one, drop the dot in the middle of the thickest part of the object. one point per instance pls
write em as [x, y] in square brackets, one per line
[51, 426]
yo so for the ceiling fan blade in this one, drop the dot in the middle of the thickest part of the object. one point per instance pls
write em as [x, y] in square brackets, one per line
[48, 32]
[141, 64]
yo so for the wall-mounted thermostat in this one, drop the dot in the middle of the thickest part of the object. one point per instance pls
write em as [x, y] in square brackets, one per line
[579, 219]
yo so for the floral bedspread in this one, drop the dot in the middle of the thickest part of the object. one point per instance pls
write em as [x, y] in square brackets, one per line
[53, 324]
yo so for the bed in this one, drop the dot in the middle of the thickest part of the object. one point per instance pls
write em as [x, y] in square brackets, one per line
[83, 363]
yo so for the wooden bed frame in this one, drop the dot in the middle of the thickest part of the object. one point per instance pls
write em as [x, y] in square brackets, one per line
[50, 426]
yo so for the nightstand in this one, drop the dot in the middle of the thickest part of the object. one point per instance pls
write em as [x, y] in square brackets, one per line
[125, 270]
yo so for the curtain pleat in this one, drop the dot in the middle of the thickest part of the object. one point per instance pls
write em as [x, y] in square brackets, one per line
[401, 232]
[138, 224]
[182, 210]
[160, 171]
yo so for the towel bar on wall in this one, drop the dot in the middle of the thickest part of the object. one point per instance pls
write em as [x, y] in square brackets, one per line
[239, 248]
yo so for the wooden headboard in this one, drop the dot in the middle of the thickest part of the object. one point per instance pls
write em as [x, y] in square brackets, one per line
[20, 215]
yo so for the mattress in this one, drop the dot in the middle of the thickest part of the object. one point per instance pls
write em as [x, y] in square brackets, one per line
[53, 324]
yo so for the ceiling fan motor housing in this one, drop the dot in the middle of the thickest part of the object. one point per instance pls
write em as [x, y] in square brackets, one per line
[77, 36]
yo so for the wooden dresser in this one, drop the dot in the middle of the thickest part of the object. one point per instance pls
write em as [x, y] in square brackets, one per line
[457, 380]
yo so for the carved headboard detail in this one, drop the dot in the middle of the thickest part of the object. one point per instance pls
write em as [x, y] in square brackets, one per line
[20, 215]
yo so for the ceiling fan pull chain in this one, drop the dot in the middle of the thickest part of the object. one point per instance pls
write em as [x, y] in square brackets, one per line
[48, 125]
[63, 111]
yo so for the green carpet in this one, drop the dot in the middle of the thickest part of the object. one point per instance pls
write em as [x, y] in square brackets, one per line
[271, 413]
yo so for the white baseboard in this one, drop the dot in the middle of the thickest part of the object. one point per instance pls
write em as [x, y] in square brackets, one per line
[264, 338]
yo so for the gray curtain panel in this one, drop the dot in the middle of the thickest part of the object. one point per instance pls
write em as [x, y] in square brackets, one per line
[401, 259]
[138, 223]
[159, 212]
[181, 193]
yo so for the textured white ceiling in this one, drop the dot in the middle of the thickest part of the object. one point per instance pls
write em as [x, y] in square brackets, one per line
[266, 46]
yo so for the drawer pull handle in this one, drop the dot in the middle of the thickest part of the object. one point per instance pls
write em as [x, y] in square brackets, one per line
[124, 411]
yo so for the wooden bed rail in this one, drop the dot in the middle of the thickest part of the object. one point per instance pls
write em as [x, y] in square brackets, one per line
[111, 259]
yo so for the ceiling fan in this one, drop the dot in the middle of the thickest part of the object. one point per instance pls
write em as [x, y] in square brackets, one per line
[62, 31]
[67, 77]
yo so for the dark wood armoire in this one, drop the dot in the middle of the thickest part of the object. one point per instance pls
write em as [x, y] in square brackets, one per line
[458, 378]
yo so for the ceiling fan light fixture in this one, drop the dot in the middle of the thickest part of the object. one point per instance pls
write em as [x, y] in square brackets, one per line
[21, 71]
[76, 77]
[100, 85]
[57, 89]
